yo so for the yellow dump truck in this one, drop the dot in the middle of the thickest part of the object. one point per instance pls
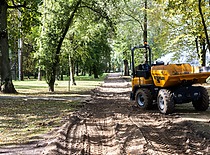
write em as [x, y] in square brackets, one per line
[167, 85]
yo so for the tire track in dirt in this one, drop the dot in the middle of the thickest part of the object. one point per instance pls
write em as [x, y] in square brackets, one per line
[168, 137]
[110, 124]
[152, 136]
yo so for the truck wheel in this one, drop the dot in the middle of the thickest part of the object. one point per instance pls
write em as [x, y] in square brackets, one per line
[144, 98]
[202, 104]
[165, 101]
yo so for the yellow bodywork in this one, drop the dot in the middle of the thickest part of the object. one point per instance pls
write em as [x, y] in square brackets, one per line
[141, 81]
[172, 75]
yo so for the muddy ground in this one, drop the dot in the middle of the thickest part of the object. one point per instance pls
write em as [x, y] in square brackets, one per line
[109, 123]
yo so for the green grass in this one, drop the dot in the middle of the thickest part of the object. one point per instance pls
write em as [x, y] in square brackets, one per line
[28, 114]
[83, 83]
[21, 120]
[60, 86]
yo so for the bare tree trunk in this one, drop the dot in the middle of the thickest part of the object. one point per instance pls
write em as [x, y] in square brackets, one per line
[6, 77]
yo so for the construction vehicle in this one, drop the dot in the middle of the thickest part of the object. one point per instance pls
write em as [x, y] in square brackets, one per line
[167, 85]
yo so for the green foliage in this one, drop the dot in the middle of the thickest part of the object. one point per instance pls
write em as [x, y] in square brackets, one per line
[128, 31]
[86, 40]
[99, 50]
[54, 17]
[102, 32]
[23, 23]
[184, 24]
[130, 28]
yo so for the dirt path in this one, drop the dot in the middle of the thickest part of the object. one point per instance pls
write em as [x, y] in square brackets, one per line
[110, 124]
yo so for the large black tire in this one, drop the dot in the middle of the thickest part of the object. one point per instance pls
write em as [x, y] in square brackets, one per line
[202, 104]
[144, 98]
[165, 101]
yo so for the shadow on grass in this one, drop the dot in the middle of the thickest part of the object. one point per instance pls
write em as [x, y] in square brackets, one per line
[22, 119]
[61, 93]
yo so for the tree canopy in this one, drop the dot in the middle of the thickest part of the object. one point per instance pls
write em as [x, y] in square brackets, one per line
[93, 37]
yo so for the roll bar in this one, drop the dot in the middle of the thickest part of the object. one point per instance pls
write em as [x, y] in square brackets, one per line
[146, 47]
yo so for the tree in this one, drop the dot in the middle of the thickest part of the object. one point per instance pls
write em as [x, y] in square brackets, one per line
[99, 50]
[28, 15]
[6, 78]
[204, 23]
[132, 28]
[59, 19]
[187, 26]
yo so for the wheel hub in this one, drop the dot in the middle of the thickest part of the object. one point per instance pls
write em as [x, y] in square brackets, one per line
[161, 102]
[141, 100]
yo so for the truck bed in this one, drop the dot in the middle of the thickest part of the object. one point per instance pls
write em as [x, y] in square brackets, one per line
[176, 74]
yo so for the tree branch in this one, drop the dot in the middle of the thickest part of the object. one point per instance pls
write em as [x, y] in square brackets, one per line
[68, 24]
[17, 6]
[100, 12]
[135, 19]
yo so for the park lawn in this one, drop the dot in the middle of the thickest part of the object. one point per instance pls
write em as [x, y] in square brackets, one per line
[35, 111]
[21, 120]
[83, 83]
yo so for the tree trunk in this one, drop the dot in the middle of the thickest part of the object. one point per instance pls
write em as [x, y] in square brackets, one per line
[109, 67]
[145, 22]
[51, 85]
[145, 31]
[60, 42]
[204, 24]
[95, 72]
[61, 73]
[73, 71]
[77, 66]
[197, 47]
[203, 54]
[51, 79]
[90, 71]
[126, 68]
[6, 77]
[39, 72]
